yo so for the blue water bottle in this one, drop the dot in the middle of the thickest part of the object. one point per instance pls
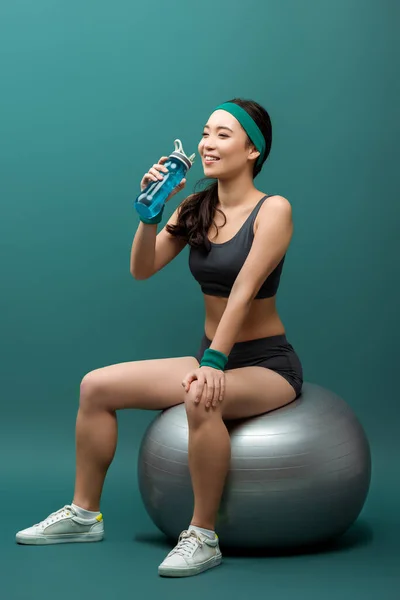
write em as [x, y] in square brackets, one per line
[151, 201]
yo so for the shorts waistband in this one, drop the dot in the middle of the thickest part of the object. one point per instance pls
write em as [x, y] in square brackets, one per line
[271, 341]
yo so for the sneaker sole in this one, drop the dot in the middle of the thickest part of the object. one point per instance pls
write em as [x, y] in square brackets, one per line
[65, 539]
[188, 571]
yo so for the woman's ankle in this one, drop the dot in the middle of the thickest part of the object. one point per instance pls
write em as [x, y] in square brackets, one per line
[86, 505]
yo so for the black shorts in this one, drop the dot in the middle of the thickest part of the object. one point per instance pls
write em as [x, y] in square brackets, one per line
[273, 352]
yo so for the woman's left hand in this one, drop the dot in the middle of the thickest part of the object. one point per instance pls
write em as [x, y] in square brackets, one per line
[210, 385]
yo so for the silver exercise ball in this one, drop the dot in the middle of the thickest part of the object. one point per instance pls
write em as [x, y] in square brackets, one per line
[299, 475]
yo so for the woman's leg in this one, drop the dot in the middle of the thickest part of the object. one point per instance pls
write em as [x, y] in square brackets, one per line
[249, 391]
[148, 384]
[209, 457]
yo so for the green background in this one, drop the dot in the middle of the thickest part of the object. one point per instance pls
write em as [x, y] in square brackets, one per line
[92, 94]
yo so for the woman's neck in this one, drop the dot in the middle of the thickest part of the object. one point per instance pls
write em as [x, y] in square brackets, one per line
[233, 193]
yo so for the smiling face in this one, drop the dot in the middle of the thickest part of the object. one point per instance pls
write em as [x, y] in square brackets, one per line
[224, 147]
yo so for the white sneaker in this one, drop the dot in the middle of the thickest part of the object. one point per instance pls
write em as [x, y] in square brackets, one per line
[61, 527]
[193, 554]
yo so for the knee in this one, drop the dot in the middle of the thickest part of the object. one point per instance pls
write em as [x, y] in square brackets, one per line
[197, 413]
[91, 391]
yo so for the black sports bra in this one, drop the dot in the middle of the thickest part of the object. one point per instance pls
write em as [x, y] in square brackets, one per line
[216, 271]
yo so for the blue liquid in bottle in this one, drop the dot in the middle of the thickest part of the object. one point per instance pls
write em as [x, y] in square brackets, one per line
[150, 202]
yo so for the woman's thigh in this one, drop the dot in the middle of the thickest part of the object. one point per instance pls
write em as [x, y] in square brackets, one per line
[252, 391]
[249, 391]
[146, 384]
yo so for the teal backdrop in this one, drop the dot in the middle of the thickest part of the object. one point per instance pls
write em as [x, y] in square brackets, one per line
[92, 94]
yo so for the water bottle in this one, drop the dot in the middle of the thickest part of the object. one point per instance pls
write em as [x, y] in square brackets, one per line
[151, 200]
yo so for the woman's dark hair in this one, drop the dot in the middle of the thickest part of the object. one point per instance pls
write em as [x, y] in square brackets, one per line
[196, 213]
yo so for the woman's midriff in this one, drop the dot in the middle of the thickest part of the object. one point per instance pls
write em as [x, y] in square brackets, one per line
[262, 320]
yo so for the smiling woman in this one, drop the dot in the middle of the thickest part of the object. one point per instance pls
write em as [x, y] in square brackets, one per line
[238, 237]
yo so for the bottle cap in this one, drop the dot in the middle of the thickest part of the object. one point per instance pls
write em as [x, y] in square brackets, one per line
[180, 154]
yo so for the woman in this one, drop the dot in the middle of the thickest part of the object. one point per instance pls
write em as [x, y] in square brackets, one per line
[238, 238]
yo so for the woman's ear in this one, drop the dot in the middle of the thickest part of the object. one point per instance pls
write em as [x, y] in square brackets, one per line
[253, 153]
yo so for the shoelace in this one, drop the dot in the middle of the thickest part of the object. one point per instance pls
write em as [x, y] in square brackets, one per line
[187, 544]
[65, 511]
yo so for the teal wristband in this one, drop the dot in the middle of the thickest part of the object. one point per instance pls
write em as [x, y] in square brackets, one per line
[154, 220]
[214, 358]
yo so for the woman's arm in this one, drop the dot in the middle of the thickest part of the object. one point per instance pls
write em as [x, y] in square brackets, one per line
[271, 241]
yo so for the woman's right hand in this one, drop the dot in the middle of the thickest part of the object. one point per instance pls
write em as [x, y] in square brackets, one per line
[155, 174]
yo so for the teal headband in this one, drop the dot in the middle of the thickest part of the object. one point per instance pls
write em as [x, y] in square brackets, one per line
[248, 124]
